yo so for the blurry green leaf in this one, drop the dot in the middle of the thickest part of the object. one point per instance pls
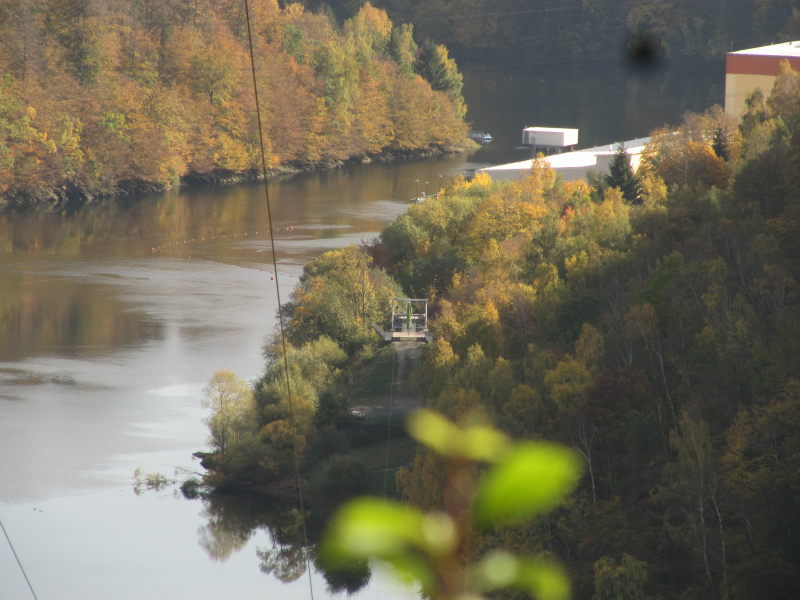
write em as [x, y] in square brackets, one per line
[476, 442]
[439, 533]
[542, 578]
[497, 570]
[411, 569]
[482, 443]
[433, 430]
[397, 534]
[531, 480]
[369, 527]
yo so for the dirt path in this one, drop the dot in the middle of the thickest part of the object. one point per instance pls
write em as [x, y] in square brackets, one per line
[401, 400]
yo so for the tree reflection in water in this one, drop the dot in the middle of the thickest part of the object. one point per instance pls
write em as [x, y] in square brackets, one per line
[232, 520]
[286, 563]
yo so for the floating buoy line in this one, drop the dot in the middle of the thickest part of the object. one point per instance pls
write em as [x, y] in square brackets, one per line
[192, 249]
[205, 239]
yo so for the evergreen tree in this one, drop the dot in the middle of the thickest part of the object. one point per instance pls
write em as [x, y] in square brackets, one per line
[436, 66]
[403, 48]
[720, 144]
[621, 175]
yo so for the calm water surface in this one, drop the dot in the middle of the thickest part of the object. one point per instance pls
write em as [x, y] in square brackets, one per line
[112, 320]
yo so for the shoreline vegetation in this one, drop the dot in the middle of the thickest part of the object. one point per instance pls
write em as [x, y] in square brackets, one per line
[68, 197]
[653, 328]
[111, 100]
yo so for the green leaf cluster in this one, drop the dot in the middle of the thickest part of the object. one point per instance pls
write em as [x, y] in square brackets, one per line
[522, 481]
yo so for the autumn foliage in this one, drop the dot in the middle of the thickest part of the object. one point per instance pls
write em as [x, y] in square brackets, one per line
[658, 339]
[96, 95]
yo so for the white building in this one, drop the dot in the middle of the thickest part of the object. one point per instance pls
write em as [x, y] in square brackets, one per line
[572, 165]
[549, 139]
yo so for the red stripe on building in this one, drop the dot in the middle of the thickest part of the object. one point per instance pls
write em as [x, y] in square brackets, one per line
[756, 64]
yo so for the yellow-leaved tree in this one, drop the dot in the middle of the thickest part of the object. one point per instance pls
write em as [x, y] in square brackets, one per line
[233, 409]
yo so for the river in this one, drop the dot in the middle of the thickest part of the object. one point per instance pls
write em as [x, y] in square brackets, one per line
[112, 320]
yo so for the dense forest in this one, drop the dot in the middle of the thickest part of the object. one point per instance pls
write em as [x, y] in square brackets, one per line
[656, 332]
[123, 95]
[547, 32]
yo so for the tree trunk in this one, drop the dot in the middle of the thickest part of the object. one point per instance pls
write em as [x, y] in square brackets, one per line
[723, 549]
[585, 440]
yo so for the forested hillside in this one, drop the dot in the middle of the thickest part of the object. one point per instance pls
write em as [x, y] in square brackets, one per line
[658, 336]
[542, 32]
[98, 96]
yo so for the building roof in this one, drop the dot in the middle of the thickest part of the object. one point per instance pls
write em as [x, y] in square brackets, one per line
[578, 158]
[551, 129]
[573, 164]
[784, 49]
[765, 60]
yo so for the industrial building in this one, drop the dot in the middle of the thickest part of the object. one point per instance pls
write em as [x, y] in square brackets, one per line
[572, 165]
[755, 68]
[746, 70]
[549, 140]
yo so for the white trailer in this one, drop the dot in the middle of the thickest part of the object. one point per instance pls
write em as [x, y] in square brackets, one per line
[549, 139]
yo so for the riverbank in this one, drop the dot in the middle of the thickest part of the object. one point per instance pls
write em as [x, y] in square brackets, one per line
[71, 196]
[366, 398]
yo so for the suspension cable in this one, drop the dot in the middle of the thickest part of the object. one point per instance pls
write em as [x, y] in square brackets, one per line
[295, 451]
[389, 424]
[19, 562]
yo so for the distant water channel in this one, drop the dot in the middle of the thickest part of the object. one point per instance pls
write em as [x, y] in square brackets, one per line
[112, 320]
